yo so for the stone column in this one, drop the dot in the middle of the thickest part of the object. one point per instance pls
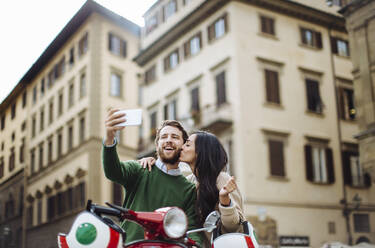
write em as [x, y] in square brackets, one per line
[360, 23]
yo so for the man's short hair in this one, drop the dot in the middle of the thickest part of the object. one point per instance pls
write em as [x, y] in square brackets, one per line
[171, 123]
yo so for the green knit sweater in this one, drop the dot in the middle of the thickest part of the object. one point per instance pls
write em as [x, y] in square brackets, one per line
[147, 191]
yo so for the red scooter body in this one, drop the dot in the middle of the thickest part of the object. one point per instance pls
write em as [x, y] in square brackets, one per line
[164, 228]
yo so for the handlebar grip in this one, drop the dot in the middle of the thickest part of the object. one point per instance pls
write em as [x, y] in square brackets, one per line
[105, 210]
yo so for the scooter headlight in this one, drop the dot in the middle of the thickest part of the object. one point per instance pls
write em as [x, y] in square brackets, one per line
[175, 223]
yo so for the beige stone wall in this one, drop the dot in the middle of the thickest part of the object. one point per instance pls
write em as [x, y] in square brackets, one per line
[244, 52]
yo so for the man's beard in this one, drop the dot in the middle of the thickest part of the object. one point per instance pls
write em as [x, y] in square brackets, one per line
[172, 160]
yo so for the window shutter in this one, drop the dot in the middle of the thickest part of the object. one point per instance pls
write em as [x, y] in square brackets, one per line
[174, 103]
[200, 40]
[110, 42]
[334, 45]
[123, 48]
[276, 157]
[341, 103]
[308, 164]
[310, 95]
[166, 63]
[272, 86]
[163, 13]
[187, 49]
[272, 26]
[347, 45]
[330, 165]
[166, 112]
[211, 32]
[367, 180]
[263, 24]
[195, 99]
[220, 88]
[303, 37]
[346, 168]
[319, 39]
[225, 17]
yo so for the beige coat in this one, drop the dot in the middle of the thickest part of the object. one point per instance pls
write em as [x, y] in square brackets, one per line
[230, 216]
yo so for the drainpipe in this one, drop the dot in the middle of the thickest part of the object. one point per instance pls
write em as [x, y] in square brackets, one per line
[346, 211]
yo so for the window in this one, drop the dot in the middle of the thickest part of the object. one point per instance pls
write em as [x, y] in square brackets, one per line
[339, 3]
[193, 45]
[82, 85]
[151, 23]
[59, 144]
[71, 56]
[361, 223]
[34, 94]
[170, 110]
[272, 86]
[116, 86]
[24, 99]
[9, 207]
[353, 171]
[169, 9]
[50, 150]
[340, 47]
[331, 227]
[50, 111]
[32, 162]
[186, 2]
[267, 25]
[12, 159]
[51, 79]
[42, 87]
[61, 103]
[13, 111]
[41, 119]
[1, 167]
[3, 122]
[171, 61]
[40, 209]
[314, 102]
[83, 45]
[41, 154]
[79, 193]
[82, 126]
[218, 28]
[311, 38]
[23, 126]
[20, 200]
[153, 126]
[60, 203]
[150, 75]
[30, 211]
[220, 89]
[319, 164]
[116, 45]
[71, 95]
[70, 198]
[33, 126]
[117, 197]
[51, 207]
[346, 101]
[276, 157]
[70, 137]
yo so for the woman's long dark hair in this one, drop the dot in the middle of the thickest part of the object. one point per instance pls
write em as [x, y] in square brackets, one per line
[211, 159]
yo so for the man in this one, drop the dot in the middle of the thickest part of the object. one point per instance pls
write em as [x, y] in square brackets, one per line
[163, 186]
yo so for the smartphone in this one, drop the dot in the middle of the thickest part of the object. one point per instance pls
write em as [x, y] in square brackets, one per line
[133, 117]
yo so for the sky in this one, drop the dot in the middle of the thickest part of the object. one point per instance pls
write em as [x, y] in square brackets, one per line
[28, 26]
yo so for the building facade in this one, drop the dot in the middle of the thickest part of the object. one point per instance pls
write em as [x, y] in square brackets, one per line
[272, 79]
[59, 124]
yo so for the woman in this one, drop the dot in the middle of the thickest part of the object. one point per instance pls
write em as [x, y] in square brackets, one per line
[216, 189]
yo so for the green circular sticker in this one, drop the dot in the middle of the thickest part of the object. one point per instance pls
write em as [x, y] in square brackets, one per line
[86, 233]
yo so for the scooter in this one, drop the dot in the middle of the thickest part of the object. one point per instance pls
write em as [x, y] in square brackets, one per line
[163, 228]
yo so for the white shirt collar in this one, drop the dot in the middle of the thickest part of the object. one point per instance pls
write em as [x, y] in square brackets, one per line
[163, 168]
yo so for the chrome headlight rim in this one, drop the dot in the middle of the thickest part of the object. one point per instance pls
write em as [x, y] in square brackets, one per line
[173, 213]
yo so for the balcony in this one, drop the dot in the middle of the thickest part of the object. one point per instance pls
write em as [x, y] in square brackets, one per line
[215, 119]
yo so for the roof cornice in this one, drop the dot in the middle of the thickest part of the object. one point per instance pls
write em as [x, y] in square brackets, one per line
[208, 7]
